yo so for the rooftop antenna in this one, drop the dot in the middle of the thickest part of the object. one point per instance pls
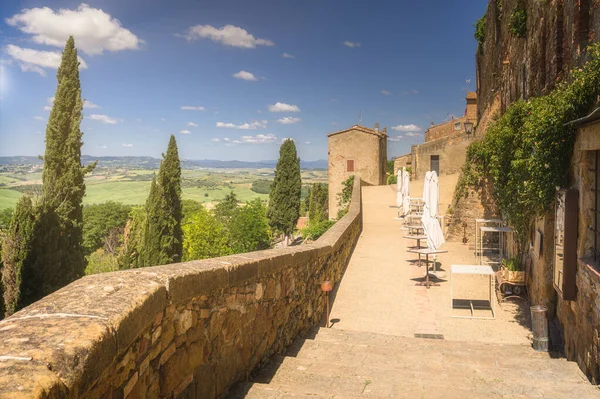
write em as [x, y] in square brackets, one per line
[360, 116]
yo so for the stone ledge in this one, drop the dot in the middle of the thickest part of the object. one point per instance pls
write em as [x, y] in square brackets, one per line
[74, 335]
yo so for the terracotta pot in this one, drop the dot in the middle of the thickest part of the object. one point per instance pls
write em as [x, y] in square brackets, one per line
[326, 286]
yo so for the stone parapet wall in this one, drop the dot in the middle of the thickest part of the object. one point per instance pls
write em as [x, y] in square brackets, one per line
[181, 330]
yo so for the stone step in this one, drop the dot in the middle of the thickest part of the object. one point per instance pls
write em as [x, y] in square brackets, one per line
[348, 364]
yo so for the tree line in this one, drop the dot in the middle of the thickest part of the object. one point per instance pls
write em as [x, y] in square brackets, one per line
[51, 239]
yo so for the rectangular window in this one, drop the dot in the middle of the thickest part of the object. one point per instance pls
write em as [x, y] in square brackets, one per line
[456, 125]
[595, 185]
[350, 165]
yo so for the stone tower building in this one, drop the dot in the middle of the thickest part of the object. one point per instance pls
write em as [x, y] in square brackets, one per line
[355, 151]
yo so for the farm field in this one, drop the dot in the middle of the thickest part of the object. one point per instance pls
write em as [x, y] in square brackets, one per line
[132, 186]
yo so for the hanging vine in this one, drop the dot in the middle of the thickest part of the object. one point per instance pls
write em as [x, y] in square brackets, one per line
[524, 155]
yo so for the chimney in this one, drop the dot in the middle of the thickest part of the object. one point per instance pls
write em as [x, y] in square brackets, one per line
[376, 126]
[384, 130]
[432, 124]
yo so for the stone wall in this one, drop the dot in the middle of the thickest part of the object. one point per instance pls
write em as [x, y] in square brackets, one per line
[580, 319]
[402, 161]
[510, 68]
[436, 132]
[451, 150]
[181, 330]
[367, 148]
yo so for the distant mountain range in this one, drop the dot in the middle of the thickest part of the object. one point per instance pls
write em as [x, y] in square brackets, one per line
[154, 163]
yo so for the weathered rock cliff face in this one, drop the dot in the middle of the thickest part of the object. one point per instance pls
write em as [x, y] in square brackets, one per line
[511, 67]
[186, 329]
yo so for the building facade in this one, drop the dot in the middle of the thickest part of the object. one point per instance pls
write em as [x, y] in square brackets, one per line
[359, 151]
[445, 145]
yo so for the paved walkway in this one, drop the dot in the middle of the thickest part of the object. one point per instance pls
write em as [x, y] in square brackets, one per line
[380, 344]
[378, 294]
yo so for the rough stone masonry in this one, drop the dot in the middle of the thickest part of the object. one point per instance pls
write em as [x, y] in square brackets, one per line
[188, 329]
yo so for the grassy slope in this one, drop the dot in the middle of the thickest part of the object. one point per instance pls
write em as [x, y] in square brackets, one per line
[116, 186]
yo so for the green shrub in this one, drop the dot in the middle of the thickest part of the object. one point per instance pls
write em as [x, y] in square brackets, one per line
[480, 32]
[262, 186]
[392, 179]
[101, 262]
[316, 230]
[518, 21]
[525, 153]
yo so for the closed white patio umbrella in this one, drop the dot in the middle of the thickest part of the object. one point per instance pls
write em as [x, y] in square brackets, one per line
[405, 191]
[399, 194]
[431, 223]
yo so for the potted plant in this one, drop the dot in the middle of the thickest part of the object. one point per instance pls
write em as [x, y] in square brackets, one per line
[512, 271]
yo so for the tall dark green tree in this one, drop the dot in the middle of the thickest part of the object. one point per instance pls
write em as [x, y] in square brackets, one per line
[319, 204]
[17, 257]
[284, 200]
[59, 255]
[162, 237]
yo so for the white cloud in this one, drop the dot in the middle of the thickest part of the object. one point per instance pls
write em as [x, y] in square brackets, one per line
[307, 142]
[39, 118]
[104, 119]
[31, 60]
[127, 145]
[258, 139]
[191, 108]
[226, 125]
[103, 146]
[283, 107]
[93, 29]
[413, 91]
[227, 35]
[288, 120]
[397, 138]
[286, 55]
[216, 140]
[226, 139]
[185, 131]
[414, 134]
[245, 75]
[89, 104]
[244, 126]
[192, 124]
[385, 92]
[406, 128]
[351, 44]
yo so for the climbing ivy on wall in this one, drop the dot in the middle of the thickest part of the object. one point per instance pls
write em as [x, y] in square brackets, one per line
[524, 155]
[518, 21]
[480, 32]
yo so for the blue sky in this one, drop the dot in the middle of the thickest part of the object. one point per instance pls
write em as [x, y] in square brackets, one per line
[233, 78]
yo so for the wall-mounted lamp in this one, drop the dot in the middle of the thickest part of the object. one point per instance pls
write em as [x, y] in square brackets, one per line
[468, 128]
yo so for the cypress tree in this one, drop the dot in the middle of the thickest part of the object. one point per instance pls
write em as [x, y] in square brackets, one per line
[284, 200]
[169, 179]
[19, 286]
[162, 237]
[319, 207]
[58, 236]
[150, 252]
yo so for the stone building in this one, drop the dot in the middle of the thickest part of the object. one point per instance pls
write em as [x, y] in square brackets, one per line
[355, 151]
[445, 145]
[455, 125]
